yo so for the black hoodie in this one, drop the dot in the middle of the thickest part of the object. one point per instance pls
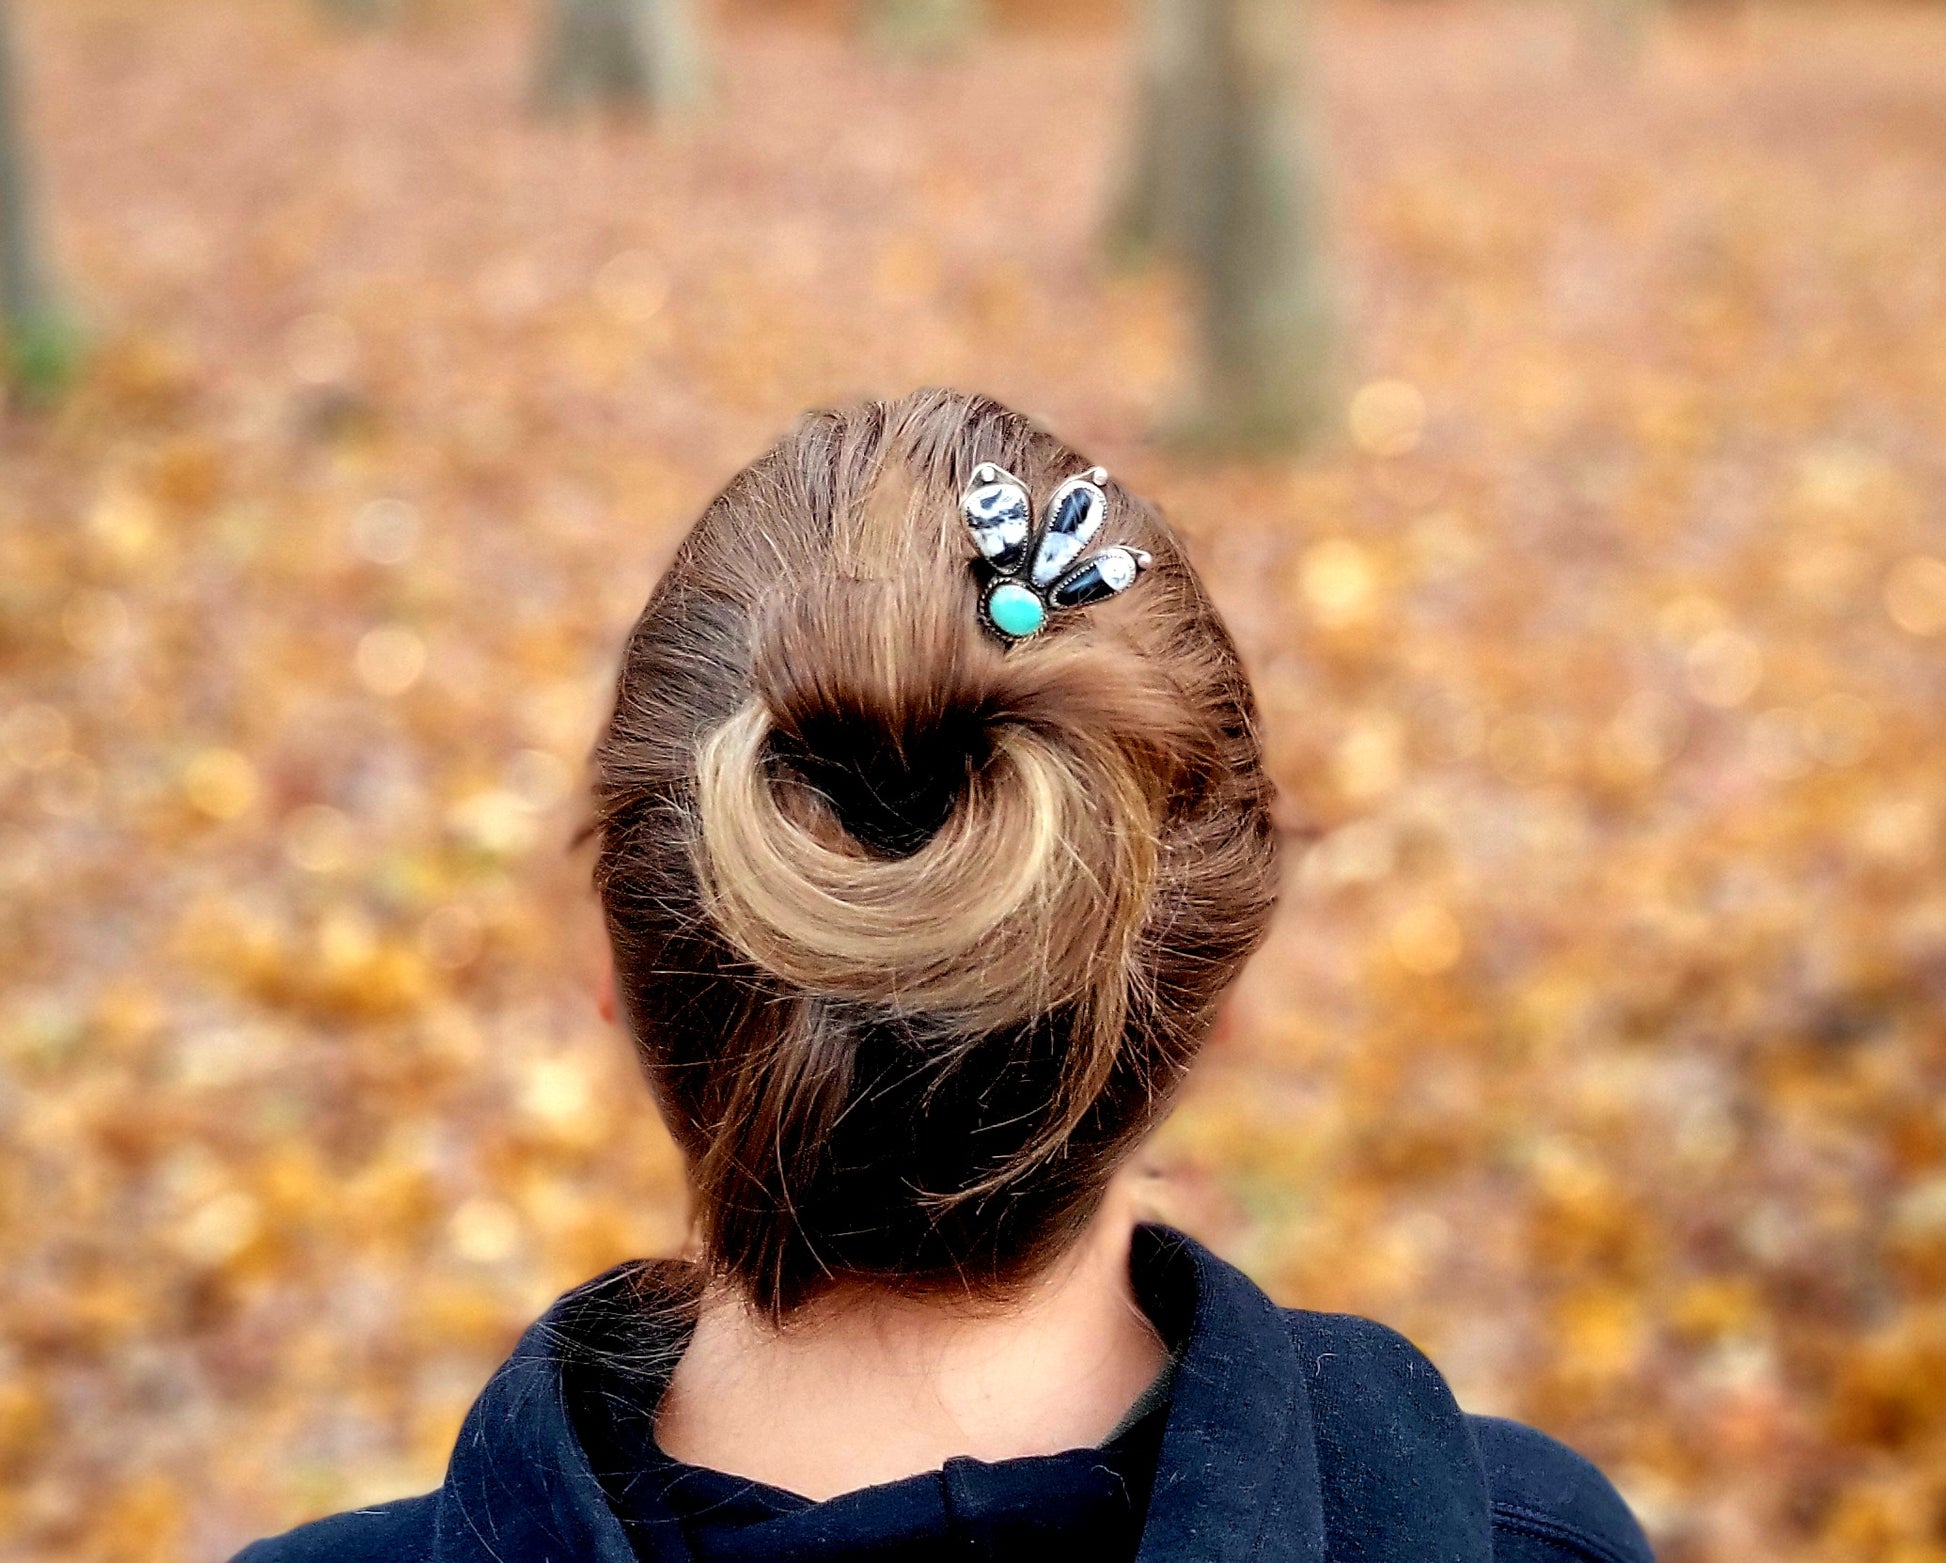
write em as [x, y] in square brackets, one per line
[1288, 1437]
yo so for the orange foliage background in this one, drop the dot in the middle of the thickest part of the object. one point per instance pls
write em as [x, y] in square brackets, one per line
[1603, 654]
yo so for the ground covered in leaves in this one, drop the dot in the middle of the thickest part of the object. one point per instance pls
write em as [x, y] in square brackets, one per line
[1603, 655]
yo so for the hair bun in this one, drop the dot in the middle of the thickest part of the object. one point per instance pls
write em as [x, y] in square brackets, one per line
[889, 737]
[906, 815]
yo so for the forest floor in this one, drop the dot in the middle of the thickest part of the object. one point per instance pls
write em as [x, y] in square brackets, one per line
[1602, 1039]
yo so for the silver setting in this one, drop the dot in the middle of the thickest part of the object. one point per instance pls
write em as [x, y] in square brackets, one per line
[1099, 577]
[1001, 523]
[1073, 516]
[998, 514]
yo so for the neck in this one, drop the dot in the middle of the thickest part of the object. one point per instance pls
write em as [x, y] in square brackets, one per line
[866, 1388]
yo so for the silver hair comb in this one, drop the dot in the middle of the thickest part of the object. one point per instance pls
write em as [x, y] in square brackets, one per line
[1019, 596]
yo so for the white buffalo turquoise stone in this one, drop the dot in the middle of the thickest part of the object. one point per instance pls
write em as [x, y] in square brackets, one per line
[1074, 515]
[999, 515]
[1118, 568]
[1110, 571]
[1015, 610]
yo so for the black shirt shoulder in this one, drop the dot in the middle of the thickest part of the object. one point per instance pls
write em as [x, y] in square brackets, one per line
[396, 1532]
[1551, 1505]
[1381, 1405]
[1394, 1451]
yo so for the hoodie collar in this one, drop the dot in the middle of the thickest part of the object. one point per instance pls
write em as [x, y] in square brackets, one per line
[1237, 1481]
[1237, 1478]
[519, 1487]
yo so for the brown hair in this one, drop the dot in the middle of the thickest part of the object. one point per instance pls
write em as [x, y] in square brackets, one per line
[917, 932]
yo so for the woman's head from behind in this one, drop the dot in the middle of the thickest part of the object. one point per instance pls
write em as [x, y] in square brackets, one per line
[918, 932]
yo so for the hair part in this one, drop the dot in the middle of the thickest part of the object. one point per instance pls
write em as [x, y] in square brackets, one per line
[917, 933]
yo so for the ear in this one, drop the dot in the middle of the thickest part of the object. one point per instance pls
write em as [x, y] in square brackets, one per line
[605, 991]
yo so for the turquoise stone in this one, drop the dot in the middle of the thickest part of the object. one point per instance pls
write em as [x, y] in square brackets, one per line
[1015, 610]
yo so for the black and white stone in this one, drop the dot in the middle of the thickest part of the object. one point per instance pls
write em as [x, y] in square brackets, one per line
[999, 515]
[1107, 574]
[1073, 516]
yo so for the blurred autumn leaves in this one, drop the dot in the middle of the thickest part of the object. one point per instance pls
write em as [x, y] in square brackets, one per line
[1602, 660]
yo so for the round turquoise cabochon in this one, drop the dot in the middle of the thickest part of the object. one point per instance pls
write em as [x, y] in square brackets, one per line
[1015, 610]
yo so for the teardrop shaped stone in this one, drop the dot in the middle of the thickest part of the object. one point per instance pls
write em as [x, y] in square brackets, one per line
[1110, 571]
[1074, 516]
[1015, 611]
[999, 515]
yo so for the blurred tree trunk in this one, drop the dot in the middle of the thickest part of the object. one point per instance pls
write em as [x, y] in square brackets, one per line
[1161, 206]
[641, 54]
[357, 13]
[1223, 180]
[39, 341]
[1268, 315]
[924, 27]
